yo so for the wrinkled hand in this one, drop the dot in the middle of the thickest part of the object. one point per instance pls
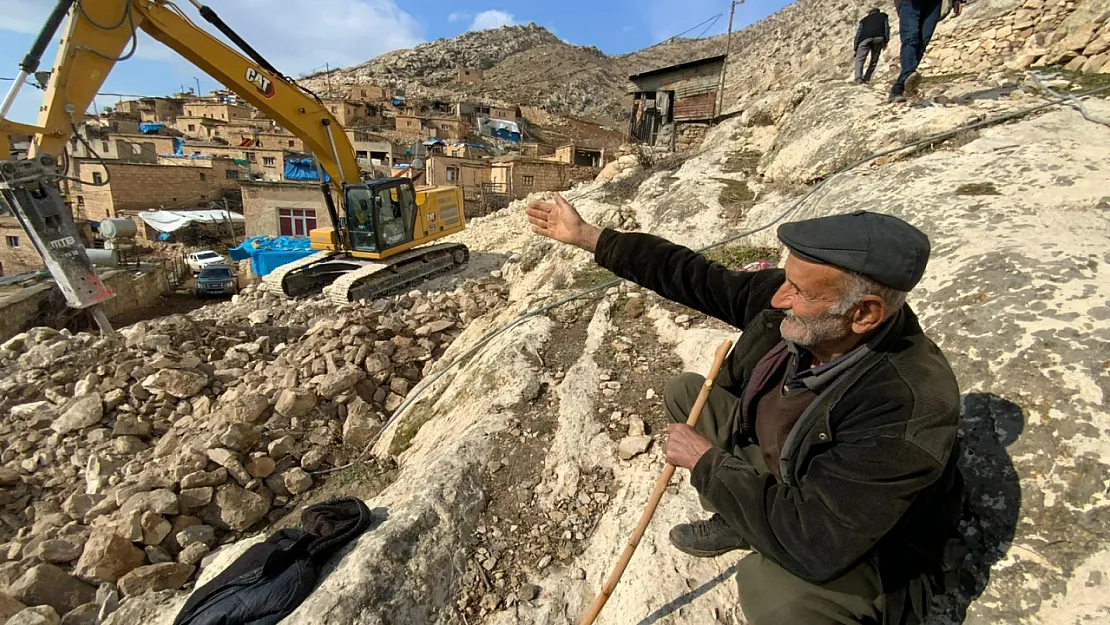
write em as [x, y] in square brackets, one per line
[560, 221]
[685, 446]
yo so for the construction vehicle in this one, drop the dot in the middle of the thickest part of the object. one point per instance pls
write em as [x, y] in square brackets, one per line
[377, 240]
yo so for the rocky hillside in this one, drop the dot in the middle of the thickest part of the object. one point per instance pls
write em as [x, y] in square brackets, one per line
[523, 65]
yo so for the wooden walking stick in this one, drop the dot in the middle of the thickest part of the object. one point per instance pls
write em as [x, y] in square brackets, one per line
[657, 494]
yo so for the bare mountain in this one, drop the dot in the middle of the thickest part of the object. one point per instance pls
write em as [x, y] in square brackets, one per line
[525, 65]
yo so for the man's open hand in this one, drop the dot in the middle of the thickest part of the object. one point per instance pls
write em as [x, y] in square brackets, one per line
[685, 446]
[558, 220]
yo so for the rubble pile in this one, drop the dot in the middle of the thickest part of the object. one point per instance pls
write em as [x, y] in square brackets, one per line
[127, 461]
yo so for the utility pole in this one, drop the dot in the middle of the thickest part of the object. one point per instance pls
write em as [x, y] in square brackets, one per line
[327, 74]
[198, 85]
[724, 63]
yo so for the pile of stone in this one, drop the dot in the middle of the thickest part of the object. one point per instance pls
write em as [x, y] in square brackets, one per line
[1038, 33]
[126, 461]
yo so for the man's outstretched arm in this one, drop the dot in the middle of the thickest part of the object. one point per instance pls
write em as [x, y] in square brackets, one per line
[673, 271]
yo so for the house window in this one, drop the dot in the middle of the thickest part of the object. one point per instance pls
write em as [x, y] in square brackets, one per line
[294, 222]
[292, 143]
[444, 127]
[98, 178]
[80, 201]
[250, 157]
[192, 127]
[104, 146]
[12, 241]
[529, 181]
[452, 174]
[202, 176]
[258, 144]
[268, 161]
[232, 174]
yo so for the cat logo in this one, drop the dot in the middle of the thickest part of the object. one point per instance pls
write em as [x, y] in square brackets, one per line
[264, 85]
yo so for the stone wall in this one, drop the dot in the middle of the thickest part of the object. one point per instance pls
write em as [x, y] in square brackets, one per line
[17, 252]
[261, 201]
[43, 304]
[146, 186]
[1033, 34]
[690, 135]
[810, 40]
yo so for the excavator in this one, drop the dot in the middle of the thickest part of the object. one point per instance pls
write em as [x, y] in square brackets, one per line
[378, 239]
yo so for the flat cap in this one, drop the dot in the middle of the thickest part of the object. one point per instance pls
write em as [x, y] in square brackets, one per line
[881, 247]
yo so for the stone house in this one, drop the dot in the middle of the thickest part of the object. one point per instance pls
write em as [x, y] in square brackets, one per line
[283, 208]
[369, 93]
[471, 76]
[370, 149]
[469, 174]
[353, 112]
[260, 163]
[17, 251]
[672, 107]
[517, 176]
[122, 186]
[200, 128]
[223, 111]
[447, 128]
[581, 156]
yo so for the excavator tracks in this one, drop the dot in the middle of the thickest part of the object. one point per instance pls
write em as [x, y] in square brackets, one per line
[377, 279]
[273, 282]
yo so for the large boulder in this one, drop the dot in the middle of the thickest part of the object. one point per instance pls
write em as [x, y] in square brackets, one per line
[155, 577]
[47, 584]
[107, 557]
[335, 383]
[236, 508]
[9, 606]
[38, 615]
[81, 412]
[295, 403]
[178, 383]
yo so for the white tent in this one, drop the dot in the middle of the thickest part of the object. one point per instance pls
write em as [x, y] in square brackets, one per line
[171, 221]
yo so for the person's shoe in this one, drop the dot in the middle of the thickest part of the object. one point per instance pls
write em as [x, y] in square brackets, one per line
[896, 96]
[706, 539]
[913, 84]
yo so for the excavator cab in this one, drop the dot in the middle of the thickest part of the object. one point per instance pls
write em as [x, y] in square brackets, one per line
[381, 214]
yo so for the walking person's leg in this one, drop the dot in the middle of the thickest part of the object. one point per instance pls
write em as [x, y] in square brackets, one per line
[876, 50]
[909, 32]
[862, 50]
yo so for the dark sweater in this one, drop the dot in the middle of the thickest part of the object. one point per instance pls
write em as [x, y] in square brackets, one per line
[874, 26]
[869, 468]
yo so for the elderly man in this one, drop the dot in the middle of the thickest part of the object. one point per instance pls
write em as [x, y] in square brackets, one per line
[829, 443]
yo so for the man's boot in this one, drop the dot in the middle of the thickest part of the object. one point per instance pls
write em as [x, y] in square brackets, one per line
[706, 539]
[913, 85]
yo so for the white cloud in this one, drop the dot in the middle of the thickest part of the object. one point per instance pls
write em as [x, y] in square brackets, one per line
[493, 18]
[295, 37]
[24, 16]
[458, 16]
[304, 34]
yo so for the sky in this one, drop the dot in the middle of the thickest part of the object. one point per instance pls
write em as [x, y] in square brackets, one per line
[300, 36]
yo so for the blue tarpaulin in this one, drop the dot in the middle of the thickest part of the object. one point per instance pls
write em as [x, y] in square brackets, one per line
[178, 146]
[150, 128]
[302, 169]
[269, 253]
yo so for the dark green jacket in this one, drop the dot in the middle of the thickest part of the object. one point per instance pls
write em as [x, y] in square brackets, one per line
[868, 471]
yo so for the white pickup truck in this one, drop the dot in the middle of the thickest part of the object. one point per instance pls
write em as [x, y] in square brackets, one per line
[200, 260]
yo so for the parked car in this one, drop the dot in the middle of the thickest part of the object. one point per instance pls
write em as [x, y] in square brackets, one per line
[200, 260]
[216, 280]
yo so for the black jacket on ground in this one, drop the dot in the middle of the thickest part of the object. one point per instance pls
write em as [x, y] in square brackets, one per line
[874, 26]
[869, 469]
[272, 578]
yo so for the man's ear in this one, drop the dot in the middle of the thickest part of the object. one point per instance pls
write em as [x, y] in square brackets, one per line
[869, 314]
